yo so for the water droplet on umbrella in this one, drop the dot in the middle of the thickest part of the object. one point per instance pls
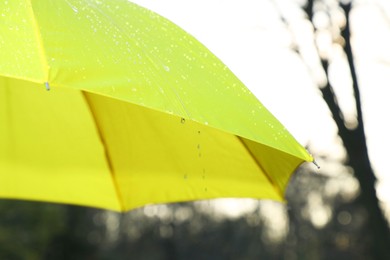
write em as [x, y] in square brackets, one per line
[74, 8]
[166, 68]
[183, 120]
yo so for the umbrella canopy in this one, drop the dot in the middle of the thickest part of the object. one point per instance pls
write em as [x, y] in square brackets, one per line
[138, 112]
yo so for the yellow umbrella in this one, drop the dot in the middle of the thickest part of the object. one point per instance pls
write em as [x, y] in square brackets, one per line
[138, 112]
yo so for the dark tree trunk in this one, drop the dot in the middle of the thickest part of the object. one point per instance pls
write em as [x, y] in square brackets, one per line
[354, 141]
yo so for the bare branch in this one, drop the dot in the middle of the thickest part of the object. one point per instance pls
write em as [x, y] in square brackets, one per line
[327, 91]
[348, 51]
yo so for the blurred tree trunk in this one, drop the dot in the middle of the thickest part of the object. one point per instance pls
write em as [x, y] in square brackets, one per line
[354, 141]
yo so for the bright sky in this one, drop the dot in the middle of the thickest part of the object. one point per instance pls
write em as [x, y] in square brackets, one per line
[248, 36]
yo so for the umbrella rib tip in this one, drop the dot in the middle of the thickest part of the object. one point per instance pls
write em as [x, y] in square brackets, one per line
[316, 164]
[47, 86]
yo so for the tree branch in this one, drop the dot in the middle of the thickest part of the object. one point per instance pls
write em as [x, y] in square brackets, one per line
[348, 51]
[330, 99]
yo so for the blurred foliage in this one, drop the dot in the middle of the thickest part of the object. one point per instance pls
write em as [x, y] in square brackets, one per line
[321, 220]
[26, 228]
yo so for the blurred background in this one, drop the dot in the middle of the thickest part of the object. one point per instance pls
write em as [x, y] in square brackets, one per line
[323, 68]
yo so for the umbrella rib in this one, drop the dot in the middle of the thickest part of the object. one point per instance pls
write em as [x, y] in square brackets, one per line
[271, 181]
[38, 36]
[106, 154]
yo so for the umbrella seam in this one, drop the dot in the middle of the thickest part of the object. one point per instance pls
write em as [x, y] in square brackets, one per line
[277, 188]
[38, 35]
[106, 154]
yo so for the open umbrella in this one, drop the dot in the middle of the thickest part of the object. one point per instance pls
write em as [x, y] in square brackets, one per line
[138, 112]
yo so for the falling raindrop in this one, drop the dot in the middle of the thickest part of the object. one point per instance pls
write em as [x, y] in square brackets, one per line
[183, 120]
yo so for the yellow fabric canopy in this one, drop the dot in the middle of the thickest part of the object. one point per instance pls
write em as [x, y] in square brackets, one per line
[138, 112]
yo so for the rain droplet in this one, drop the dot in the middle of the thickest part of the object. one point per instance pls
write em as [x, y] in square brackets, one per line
[74, 8]
[183, 120]
[166, 68]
